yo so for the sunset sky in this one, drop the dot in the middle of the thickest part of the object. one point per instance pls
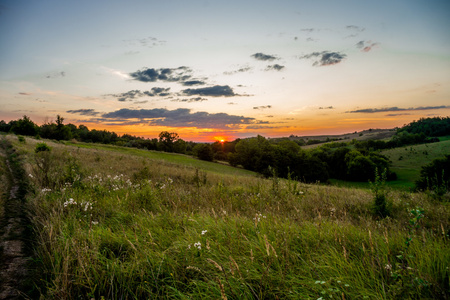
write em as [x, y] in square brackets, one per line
[225, 69]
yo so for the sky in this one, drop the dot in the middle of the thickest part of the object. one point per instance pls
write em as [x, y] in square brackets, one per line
[212, 70]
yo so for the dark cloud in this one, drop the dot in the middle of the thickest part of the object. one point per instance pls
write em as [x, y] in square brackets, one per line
[396, 115]
[83, 112]
[133, 94]
[264, 57]
[56, 75]
[307, 30]
[366, 46]
[180, 117]
[189, 100]
[165, 74]
[394, 108]
[213, 91]
[193, 82]
[328, 107]
[25, 94]
[325, 58]
[275, 67]
[262, 107]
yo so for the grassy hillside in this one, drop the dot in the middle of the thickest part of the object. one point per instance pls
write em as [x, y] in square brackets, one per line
[407, 161]
[118, 223]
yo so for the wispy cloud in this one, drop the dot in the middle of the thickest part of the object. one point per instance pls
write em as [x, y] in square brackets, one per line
[366, 46]
[395, 108]
[264, 57]
[355, 28]
[25, 94]
[83, 112]
[325, 58]
[133, 94]
[240, 70]
[327, 107]
[189, 100]
[262, 107]
[145, 42]
[56, 75]
[180, 117]
[213, 91]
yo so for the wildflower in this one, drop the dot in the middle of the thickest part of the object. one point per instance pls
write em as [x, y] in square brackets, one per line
[46, 190]
[204, 231]
[31, 176]
[169, 180]
[198, 245]
[70, 202]
[388, 267]
[94, 222]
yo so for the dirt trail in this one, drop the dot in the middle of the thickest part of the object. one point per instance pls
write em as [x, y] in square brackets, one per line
[13, 258]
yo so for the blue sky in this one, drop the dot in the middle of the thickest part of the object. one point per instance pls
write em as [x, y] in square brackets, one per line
[231, 69]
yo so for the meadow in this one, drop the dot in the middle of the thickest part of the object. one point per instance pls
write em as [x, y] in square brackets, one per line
[118, 223]
[408, 160]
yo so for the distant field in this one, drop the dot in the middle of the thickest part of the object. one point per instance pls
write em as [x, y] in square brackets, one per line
[408, 161]
[175, 158]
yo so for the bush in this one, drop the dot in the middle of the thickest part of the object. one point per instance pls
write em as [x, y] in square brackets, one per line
[41, 147]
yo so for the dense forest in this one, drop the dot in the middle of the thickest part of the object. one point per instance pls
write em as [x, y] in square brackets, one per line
[353, 161]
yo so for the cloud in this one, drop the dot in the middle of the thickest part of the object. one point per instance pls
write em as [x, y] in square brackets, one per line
[213, 91]
[145, 42]
[56, 75]
[189, 100]
[328, 107]
[133, 94]
[240, 70]
[275, 67]
[262, 107]
[325, 58]
[366, 46]
[264, 57]
[395, 108]
[193, 82]
[165, 74]
[83, 112]
[25, 94]
[355, 28]
[180, 117]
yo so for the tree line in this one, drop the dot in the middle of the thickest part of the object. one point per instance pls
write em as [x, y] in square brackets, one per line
[353, 161]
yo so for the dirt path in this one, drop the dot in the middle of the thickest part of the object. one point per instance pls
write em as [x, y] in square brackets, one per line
[13, 258]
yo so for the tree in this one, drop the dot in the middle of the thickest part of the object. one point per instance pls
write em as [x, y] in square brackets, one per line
[166, 140]
[204, 152]
[435, 175]
[24, 126]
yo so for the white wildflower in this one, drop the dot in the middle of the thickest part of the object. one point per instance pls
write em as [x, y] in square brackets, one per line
[198, 245]
[204, 231]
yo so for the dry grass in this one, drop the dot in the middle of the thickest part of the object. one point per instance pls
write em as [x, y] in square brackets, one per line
[145, 228]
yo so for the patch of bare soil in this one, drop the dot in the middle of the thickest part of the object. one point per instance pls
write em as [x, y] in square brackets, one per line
[13, 258]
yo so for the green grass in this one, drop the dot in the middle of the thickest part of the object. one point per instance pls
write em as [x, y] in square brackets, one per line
[139, 227]
[179, 159]
[408, 161]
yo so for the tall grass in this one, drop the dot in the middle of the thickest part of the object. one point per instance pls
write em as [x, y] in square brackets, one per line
[128, 227]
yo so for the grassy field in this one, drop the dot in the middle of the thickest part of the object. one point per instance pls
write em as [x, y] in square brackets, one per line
[119, 223]
[178, 159]
[407, 161]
